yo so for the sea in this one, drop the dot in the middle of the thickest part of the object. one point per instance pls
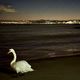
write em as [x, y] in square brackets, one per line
[39, 41]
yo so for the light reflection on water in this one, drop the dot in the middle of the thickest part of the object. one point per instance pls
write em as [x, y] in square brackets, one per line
[40, 41]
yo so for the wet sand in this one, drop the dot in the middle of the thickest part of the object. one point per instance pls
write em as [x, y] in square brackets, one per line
[63, 68]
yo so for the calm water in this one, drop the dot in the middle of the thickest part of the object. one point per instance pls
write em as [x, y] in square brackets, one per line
[40, 41]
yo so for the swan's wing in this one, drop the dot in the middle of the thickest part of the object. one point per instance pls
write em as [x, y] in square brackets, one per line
[22, 66]
[22, 63]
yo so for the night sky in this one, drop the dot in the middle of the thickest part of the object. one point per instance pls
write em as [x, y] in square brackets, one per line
[39, 9]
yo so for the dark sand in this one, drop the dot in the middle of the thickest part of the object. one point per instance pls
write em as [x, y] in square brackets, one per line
[64, 68]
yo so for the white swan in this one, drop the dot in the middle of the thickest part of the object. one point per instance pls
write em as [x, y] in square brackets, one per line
[19, 66]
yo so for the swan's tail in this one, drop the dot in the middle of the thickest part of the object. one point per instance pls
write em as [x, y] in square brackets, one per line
[31, 69]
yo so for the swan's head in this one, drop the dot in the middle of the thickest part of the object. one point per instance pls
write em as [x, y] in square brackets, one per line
[11, 51]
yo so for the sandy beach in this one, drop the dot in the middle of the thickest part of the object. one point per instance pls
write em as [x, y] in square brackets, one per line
[64, 68]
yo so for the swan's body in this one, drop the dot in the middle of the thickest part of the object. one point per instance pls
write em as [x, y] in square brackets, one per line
[19, 66]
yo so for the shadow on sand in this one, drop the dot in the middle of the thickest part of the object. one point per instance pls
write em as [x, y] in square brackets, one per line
[10, 72]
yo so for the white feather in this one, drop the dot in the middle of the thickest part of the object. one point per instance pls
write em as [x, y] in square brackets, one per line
[19, 66]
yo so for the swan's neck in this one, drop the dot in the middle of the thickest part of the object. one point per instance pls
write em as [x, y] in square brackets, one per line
[14, 58]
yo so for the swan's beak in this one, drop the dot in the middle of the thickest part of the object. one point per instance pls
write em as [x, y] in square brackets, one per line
[9, 52]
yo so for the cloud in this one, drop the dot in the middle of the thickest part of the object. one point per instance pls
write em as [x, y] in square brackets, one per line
[6, 9]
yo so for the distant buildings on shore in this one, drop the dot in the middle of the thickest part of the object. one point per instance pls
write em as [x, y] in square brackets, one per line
[41, 21]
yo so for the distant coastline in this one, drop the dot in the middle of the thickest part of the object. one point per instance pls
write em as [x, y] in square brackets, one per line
[41, 21]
